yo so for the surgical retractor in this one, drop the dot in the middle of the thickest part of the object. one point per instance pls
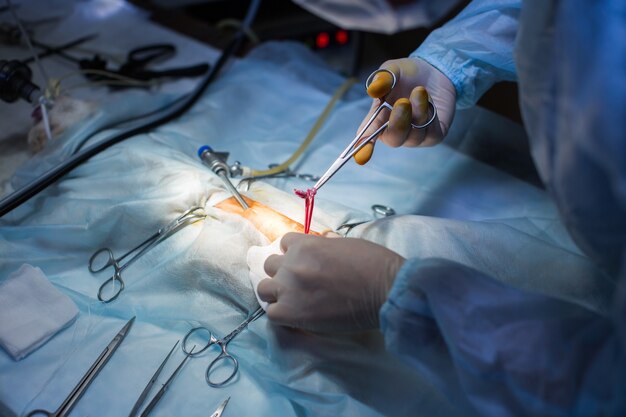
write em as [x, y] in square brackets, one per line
[216, 161]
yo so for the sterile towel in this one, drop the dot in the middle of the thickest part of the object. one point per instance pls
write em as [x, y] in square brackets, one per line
[256, 260]
[32, 310]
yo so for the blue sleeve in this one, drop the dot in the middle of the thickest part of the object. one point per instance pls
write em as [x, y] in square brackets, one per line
[475, 49]
[504, 351]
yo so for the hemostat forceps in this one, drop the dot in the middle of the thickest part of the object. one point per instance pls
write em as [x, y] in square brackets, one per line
[87, 379]
[103, 258]
[222, 343]
[359, 141]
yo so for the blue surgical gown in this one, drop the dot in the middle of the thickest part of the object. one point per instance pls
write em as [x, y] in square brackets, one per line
[510, 352]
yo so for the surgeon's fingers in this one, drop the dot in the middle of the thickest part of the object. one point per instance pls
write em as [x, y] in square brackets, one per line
[381, 85]
[382, 117]
[364, 154]
[420, 115]
[268, 290]
[283, 315]
[444, 101]
[434, 134]
[272, 264]
[289, 239]
[399, 124]
[279, 311]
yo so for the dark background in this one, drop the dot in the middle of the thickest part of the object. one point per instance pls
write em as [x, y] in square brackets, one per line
[211, 23]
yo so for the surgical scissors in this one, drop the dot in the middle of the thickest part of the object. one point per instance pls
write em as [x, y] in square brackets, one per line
[359, 142]
[103, 258]
[222, 343]
[78, 391]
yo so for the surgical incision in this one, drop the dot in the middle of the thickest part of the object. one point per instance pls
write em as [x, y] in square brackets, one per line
[266, 220]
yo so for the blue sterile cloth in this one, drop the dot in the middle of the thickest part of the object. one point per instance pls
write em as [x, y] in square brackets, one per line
[259, 110]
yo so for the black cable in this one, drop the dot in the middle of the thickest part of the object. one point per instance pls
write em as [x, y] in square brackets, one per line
[22, 195]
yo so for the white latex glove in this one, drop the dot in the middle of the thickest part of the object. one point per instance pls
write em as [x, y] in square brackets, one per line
[256, 262]
[328, 284]
[256, 257]
[416, 81]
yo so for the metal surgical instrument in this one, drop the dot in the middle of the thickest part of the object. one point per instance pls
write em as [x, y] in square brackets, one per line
[152, 381]
[220, 409]
[378, 210]
[222, 343]
[103, 258]
[163, 389]
[88, 378]
[359, 141]
[216, 161]
[287, 173]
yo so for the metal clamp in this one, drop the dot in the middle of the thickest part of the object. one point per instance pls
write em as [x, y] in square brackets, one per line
[382, 211]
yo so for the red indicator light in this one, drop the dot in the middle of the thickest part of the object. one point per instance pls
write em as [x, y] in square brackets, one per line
[322, 40]
[341, 37]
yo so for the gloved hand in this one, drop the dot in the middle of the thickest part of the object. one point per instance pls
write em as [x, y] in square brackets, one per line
[328, 284]
[416, 80]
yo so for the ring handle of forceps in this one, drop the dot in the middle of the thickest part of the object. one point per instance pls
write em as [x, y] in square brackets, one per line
[110, 262]
[223, 356]
[212, 341]
[116, 277]
[41, 412]
[432, 109]
[385, 211]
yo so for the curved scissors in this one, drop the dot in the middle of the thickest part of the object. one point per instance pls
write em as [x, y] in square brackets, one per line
[359, 141]
[222, 343]
[103, 258]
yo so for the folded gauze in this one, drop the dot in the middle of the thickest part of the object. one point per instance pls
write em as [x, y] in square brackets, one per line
[31, 311]
[256, 262]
